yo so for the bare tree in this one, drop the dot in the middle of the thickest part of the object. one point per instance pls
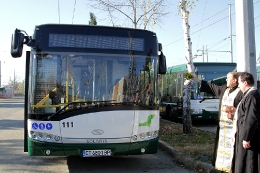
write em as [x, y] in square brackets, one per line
[137, 13]
[13, 83]
[186, 113]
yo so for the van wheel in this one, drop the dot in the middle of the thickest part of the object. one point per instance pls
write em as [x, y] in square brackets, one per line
[168, 113]
[171, 116]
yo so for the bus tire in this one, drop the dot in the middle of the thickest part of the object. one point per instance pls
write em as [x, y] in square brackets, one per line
[175, 119]
[168, 113]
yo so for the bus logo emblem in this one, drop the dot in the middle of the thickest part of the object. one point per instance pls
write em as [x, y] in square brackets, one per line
[97, 132]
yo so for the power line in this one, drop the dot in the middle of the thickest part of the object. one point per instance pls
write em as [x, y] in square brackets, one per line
[73, 11]
[208, 25]
[198, 30]
[211, 24]
[205, 20]
[59, 10]
[202, 22]
[211, 16]
[257, 17]
[223, 46]
[218, 42]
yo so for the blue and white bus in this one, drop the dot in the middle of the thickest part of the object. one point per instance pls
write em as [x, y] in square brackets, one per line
[91, 91]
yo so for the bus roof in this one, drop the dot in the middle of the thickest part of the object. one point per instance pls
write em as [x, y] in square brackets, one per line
[91, 26]
[183, 67]
[258, 69]
[92, 39]
[177, 68]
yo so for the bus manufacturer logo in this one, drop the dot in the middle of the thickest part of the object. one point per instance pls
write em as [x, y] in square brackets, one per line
[97, 132]
[98, 141]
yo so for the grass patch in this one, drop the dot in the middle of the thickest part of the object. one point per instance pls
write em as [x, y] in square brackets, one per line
[198, 145]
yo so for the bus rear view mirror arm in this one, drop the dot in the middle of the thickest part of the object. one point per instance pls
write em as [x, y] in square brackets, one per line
[162, 64]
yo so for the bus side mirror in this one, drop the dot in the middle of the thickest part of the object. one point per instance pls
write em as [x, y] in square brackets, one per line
[17, 44]
[159, 47]
[162, 64]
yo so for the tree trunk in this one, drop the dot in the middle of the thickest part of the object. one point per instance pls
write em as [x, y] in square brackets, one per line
[186, 114]
[186, 111]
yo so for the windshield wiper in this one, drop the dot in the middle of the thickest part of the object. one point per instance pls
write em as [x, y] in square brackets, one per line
[72, 106]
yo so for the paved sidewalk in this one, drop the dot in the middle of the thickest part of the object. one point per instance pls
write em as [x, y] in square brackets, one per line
[186, 161]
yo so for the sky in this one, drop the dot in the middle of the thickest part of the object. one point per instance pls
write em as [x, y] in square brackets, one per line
[208, 20]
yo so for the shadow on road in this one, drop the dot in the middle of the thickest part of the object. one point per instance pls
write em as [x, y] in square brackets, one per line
[11, 124]
[107, 164]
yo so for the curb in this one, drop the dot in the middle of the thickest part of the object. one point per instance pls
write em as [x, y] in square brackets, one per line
[186, 161]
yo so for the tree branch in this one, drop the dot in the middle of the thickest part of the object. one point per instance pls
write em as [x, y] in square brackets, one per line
[114, 7]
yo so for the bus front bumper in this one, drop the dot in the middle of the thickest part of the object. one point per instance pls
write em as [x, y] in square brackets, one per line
[38, 148]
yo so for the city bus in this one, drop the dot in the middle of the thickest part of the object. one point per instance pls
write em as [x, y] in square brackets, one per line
[6, 92]
[204, 106]
[81, 88]
[2, 93]
[9, 92]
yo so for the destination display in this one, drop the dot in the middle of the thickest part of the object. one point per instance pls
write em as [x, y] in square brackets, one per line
[96, 42]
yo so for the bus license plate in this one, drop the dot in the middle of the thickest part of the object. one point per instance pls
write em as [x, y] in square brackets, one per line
[96, 153]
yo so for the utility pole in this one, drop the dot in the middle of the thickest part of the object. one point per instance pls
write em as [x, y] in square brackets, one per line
[14, 80]
[245, 29]
[207, 53]
[231, 35]
[0, 75]
[230, 26]
[203, 52]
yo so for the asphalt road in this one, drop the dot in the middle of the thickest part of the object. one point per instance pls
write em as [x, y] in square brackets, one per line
[13, 159]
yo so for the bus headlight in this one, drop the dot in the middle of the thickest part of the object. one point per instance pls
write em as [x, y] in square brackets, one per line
[32, 134]
[48, 137]
[134, 138]
[149, 135]
[40, 136]
[144, 136]
[155, 134]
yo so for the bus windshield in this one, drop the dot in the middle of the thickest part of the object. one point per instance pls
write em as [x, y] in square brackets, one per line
[171, 84]
[58, 78]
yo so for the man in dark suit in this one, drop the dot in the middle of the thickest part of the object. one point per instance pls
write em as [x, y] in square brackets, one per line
[247, 136]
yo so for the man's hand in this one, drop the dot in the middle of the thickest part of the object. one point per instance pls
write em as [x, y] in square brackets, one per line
[230, 110]
[196, 78]
[246, 144]
[230, 116]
